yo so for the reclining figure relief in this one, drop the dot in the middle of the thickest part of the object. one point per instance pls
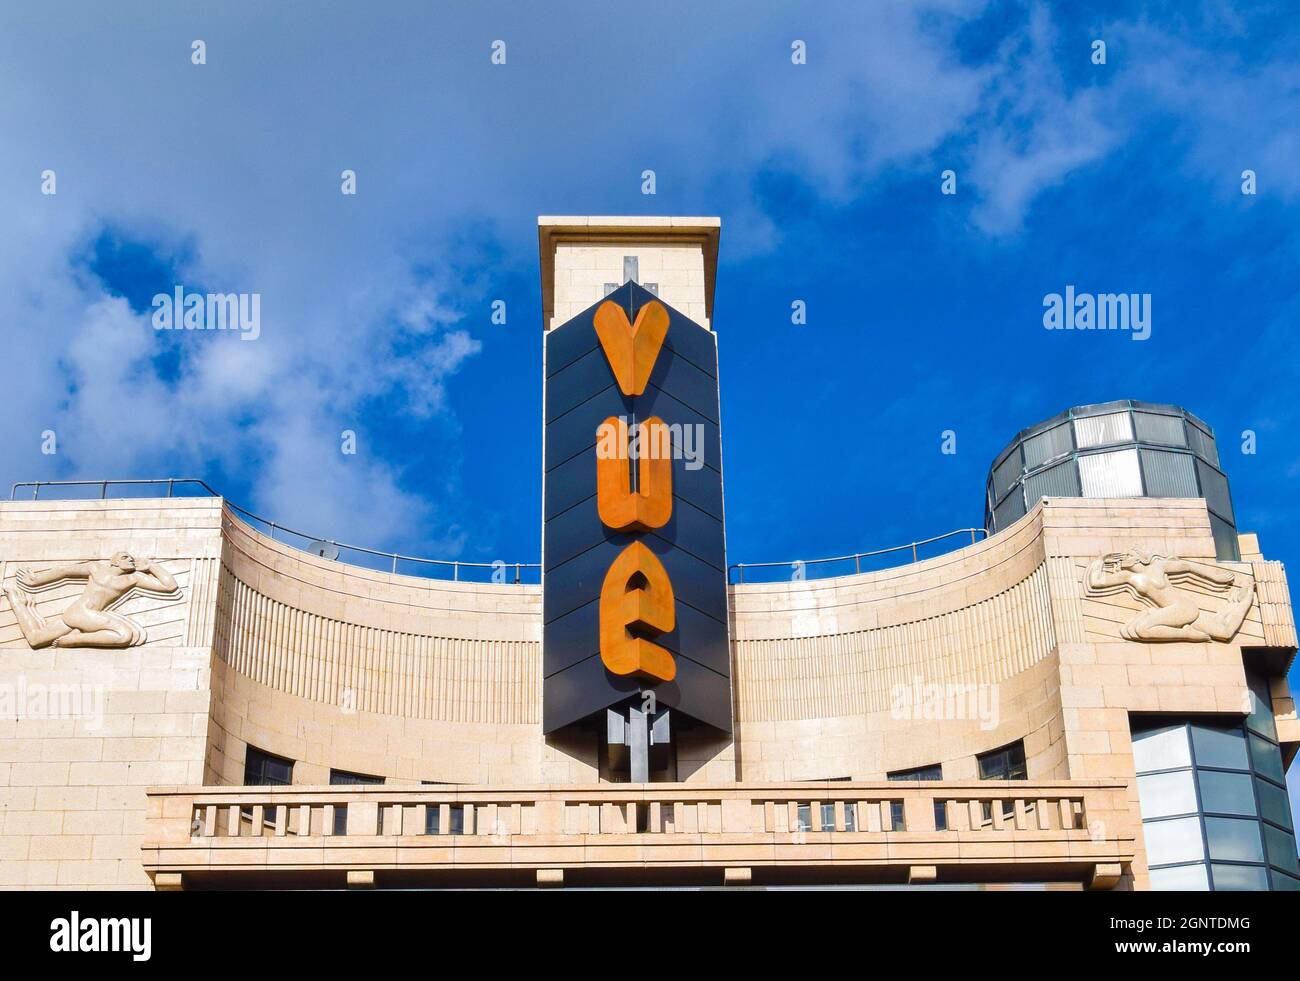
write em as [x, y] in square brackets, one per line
[89, 621]
[1175, 614]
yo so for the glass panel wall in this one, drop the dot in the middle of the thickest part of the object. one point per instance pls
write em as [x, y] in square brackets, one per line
[1215, 812]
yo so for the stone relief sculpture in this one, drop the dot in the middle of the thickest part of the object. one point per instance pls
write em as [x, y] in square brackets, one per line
[1176, 614]
[89, 621]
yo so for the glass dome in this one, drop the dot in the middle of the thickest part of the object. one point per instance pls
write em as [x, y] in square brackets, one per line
[1113, 449]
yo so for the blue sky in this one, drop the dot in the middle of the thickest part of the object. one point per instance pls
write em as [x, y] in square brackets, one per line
[924, 311]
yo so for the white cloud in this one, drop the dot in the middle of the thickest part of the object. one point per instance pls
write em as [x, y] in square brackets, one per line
[362, 296]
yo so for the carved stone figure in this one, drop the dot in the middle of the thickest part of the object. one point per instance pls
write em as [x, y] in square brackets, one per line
[88, 621]
[1176, 615]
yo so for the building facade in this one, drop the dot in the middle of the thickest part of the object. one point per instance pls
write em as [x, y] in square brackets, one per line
[1093, 696]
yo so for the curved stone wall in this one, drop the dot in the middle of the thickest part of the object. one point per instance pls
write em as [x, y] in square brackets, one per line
[920, 664]
[336, 666]
[394, 645]
[858, 676]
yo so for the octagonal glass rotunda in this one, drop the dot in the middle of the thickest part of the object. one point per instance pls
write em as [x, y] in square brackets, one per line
[1113, 449]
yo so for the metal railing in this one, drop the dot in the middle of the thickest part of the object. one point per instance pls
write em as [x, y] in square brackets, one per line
[391, 561]
[801, 567]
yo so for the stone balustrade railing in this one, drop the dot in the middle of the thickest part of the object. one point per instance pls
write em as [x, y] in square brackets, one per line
[1064, 829]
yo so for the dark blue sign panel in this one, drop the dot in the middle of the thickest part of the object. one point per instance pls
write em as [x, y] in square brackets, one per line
[578, 550]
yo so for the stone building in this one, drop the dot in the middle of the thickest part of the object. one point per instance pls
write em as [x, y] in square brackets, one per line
[1092, 695]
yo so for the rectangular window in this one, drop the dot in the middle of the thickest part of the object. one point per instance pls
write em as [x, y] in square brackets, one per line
[1267, 759]
[1061, 480]
[1284, 883]
[1281, 849]
[1174, 841]
[1169, 474]
[1225, 793]
[1261, 718]
[932, 772]
[896, 821]
[1113, 427]
[432, 814]
[1273, 803]
[344, 777]
[1007, 763]
[1239, 878]
[1220, 747]
[1203, 444]
[1111, 474]
[803, 817]
[1161, 748]
[1183, 878]
[850, 815]
[1153, 428]
[264, 770]
[1049, 443]
[1234, 839]
[1166, 794]
[828, 817]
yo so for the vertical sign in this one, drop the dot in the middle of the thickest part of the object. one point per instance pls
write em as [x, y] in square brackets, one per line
[634, 555]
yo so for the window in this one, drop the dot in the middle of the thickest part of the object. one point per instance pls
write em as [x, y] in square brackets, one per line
[1163, 748]
[828, 817]
[1046, 445]
[433, 812]
[850, 815]
[1113, 427]
[1167, 794]
[264, 770]
[1175, 841]
[1169, 474]
[896, 821]
[341, 777]
[1217, 747]
[1180, 878]
[1215, 813]
[941, 815]
[1239, 878]
[346, 778]
[1007, 763]
[803, 817]
[1234, 839]
[1153, 428]
[1111, 474]
[1224, 793]
[932, 772]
